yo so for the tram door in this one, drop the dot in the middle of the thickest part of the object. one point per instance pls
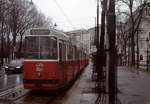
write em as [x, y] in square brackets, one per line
[61, 62]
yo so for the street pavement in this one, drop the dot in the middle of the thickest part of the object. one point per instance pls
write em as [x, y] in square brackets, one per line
[9, 81]
[133, 86]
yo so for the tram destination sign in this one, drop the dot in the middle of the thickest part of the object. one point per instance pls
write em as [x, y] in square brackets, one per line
[40, 32]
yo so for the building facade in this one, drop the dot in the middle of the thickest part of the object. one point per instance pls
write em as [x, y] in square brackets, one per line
[81, 38]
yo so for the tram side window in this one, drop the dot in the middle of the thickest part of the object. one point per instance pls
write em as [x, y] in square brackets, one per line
[67, 51]
[70, 52]
[64, 51]
[60, 52]
[76, 54]
[53, 46]
[83, 56]
[80, 57]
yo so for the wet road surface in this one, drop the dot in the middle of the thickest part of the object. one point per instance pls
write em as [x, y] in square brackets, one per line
[9, 81]
[134, 86]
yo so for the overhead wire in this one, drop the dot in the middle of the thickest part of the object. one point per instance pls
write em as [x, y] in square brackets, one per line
[67, 18]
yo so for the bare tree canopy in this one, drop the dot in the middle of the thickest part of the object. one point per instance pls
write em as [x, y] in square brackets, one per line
[16, 16]
[130, 12]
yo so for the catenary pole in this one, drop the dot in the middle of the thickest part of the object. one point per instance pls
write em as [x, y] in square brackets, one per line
[111, 65]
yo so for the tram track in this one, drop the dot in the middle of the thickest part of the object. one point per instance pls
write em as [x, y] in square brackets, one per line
[19, 95]
[12, 94]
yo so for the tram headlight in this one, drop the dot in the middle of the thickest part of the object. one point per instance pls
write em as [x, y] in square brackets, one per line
[6, 67]
[18, 67]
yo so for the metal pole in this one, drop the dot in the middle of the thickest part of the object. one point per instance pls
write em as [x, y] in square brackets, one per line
[137, 50]
[97, 24]
[101, 47]
[97, 36]
[112, 72]
[147, 53]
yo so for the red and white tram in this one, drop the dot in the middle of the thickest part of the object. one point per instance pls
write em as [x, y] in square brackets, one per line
[51, 61]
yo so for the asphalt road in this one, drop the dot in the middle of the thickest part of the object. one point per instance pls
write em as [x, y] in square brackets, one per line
[9, 81]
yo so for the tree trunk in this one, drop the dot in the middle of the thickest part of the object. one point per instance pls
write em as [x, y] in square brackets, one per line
[132, 51]
[20, 48]
[2, 42]
[125, 51]
[14, 41]
[8, 46]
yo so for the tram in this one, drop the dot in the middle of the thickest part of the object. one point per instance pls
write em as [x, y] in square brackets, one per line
[51, 61]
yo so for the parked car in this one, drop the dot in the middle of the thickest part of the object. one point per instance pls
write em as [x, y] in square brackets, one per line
[15, 66]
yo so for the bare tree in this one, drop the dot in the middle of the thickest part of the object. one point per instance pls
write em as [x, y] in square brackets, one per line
[19, 16]
[133, 11]
[30, 17]
[2, 21]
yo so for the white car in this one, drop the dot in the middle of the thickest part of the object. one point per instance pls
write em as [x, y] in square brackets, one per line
[14, 66]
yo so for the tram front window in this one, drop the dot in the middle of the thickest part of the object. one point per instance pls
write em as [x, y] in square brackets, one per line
[48, 48]
[31, 47]
[41, 47]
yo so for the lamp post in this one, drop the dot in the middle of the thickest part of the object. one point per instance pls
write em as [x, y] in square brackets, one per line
[137, 42]
[147, 54]
[31, 2]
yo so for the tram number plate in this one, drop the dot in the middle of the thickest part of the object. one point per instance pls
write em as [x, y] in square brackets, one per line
[37, 85]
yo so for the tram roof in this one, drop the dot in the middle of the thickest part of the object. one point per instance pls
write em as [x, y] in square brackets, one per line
[54, 32]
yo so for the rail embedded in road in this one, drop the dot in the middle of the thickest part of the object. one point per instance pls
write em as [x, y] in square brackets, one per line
[13, 93]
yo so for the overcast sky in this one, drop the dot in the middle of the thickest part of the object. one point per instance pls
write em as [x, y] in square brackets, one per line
[69, 14]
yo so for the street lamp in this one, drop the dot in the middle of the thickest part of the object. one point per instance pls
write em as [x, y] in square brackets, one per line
[31, 2]
[147, 52]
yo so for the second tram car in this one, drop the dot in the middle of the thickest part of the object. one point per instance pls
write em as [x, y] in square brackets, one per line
[51, 61]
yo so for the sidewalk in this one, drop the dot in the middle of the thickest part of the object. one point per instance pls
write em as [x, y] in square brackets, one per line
[133, 86]
[82, 91]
